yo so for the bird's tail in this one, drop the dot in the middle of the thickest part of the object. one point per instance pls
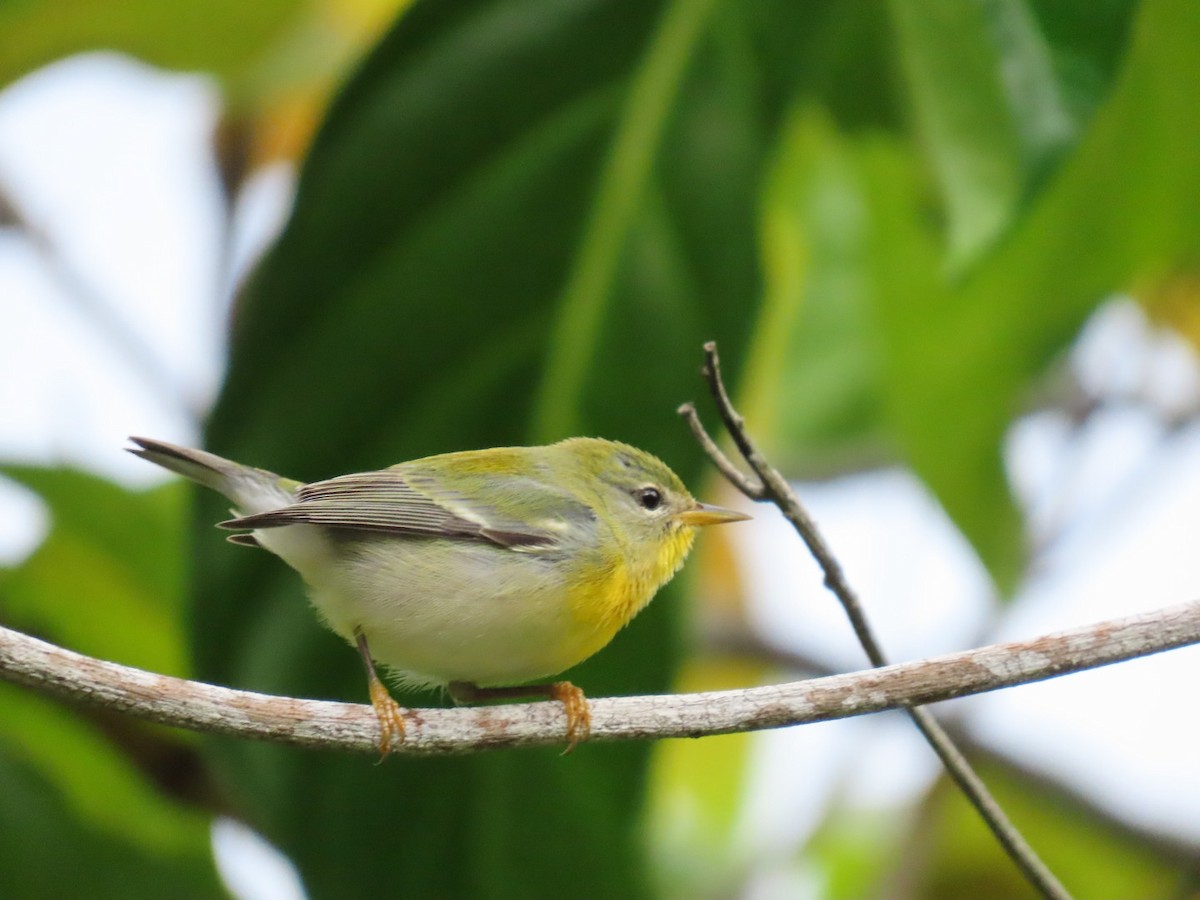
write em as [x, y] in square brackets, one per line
[251, 490]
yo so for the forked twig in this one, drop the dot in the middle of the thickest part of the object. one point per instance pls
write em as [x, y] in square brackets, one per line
[767, 484]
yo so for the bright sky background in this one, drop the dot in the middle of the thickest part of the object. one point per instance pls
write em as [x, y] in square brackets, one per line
[110, 159]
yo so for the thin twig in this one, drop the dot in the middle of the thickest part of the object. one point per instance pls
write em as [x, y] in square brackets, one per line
[349, 726]
[775, 489]
[752, 488]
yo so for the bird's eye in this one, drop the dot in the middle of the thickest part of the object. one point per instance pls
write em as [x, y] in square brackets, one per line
[649, 497]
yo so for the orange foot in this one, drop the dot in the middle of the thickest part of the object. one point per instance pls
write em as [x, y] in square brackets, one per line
[390, 716]
[387, 710]
[579, 717]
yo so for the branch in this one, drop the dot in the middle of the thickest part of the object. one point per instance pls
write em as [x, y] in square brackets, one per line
[739, 642]
[770, 485]
[350, 726]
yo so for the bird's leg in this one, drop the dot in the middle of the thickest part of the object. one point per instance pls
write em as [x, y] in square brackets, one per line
[579, 718]
[387, 710]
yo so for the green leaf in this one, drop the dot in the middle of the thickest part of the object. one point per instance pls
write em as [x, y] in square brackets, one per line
[224, 37]
[109, 578]
[1088, 40]
[108, 581]
[855, 848]
[94, 782]
[697, 791]
[47, 851]
[1091, 857]
[813, 392]
[619, 193]
[415, 304]
[960, 354]
[987, 105]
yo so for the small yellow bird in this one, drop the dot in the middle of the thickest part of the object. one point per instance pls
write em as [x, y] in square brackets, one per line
[477, 571]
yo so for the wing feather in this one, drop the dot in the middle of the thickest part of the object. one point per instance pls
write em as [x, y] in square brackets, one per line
[390, 501]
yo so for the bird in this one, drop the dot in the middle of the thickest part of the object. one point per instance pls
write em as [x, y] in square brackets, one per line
[483, 572]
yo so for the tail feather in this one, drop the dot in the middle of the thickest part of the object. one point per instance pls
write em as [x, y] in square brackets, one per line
[251, 490]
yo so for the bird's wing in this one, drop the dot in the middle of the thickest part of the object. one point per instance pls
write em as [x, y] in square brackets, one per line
[410, 501]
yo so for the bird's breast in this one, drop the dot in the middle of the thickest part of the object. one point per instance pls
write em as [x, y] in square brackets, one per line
[607, 593]
[443, 610]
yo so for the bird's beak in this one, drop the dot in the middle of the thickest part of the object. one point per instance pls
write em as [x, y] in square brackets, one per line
[703, 514]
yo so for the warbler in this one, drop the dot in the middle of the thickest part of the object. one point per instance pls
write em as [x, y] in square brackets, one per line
[476, 571]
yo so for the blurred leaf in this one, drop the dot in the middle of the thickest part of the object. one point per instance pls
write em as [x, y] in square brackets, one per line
[1092, 859]
[946, 851]
[46, 851]
[1088, 40]
[854, 849]
[94, 781]
[696, 794]
[275, 106]
[812, 389]
[1174, 300]
[827, 53]
[947, 411]
[960, 354]
[439, 244]
[278, 61]
[987, 106]
[588, 292]
[220, 36]
[847, 216]
[109, 578]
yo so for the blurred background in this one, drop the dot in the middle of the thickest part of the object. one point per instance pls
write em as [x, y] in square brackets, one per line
[950, 252]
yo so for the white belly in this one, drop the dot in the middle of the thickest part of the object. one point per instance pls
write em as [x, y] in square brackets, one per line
[439, 611]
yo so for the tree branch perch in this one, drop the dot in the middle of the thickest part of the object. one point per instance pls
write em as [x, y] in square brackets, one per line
[349, 726]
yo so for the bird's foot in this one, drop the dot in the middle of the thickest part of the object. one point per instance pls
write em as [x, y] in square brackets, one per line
[579, 716]
[575, 705]
[390, 716]
[387, 710]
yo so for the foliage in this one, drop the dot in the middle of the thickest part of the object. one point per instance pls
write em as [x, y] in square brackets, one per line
[74, 782]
